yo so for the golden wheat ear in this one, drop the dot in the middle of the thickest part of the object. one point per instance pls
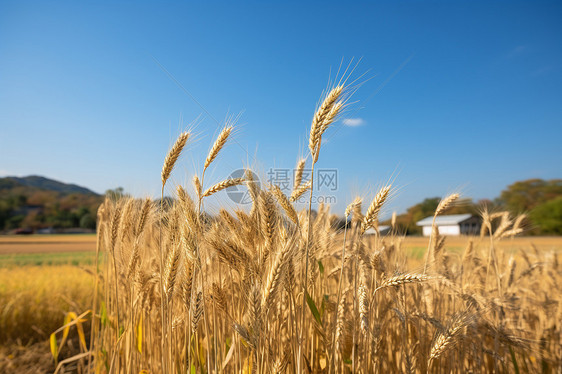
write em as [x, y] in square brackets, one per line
[283, 200]
[373, 212]
[223, 185]
[173, 156]
[446, 203]
[217, 145]
[324, 116]
[197, 186]
[352, 206]
[298, 173]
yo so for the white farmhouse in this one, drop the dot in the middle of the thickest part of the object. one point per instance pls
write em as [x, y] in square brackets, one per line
[455, 224]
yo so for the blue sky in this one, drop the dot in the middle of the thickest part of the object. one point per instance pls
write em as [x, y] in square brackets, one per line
[456, 95]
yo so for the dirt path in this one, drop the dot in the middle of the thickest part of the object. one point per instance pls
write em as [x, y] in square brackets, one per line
[11, 244]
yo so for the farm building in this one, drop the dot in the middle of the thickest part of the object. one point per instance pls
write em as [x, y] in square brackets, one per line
[455, 224]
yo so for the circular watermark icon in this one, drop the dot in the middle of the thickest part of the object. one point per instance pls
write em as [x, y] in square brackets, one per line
[239, 194]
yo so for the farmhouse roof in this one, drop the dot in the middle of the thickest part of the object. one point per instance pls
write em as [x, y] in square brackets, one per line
[452, 219]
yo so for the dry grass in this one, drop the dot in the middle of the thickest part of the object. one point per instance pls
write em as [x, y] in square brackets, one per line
[35, 299]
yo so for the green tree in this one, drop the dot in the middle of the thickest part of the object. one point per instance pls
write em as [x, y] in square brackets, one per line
[407, 222]
[115, 194]
[87, 221]
[523, 196]
[14, 221]
[5, 213]
[548, 217]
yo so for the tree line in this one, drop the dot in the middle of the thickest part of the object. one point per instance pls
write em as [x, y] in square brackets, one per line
[540, 200]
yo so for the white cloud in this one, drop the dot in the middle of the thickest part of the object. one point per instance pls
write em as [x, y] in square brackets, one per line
[517, 51]
[541, 71]
[353, 122]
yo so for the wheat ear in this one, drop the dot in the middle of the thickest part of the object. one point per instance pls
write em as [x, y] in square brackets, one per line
[197, 186]
[222, 185]
[197, 311]
[283, 200]
[145, 210]
[403, 279]
[115, 227]
[447, 338]
[172, 156]
[351, 207]
[217, 146]
[188, 207]
[374, 209]
[363, 308]
[445, 203]
[275, 278]
[171, 271]
[322, 119]
[298, 173]
[268, 216]
[300, 191]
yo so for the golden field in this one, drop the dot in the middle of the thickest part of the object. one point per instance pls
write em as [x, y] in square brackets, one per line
[33, 303]
[50, 244]
[35, 299]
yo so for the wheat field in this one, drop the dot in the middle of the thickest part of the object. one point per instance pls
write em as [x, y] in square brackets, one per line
[274, 289]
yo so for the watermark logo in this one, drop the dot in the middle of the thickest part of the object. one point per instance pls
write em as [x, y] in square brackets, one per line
[325, 180]
[328, 178]
[239, 194]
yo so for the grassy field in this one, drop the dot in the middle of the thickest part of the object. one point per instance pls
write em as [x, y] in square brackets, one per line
[47, 250]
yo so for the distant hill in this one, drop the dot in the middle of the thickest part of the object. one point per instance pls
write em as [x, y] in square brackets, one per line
[43, 183]
[36, 202]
